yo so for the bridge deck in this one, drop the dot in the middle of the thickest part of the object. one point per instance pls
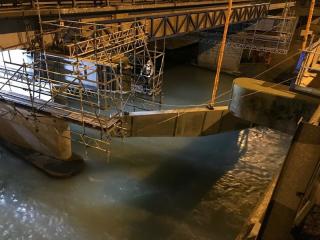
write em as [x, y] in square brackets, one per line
[114, 7]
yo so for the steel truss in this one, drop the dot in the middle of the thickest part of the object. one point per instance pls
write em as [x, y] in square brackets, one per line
[168, 25]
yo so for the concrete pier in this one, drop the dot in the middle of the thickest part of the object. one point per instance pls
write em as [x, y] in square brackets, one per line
[47, 135]
[208, 56]
[44, 142]
[269, 104]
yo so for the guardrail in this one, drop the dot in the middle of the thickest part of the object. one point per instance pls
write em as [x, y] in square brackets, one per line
[74, 3]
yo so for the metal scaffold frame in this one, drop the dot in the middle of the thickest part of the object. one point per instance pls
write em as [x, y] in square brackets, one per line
[276, 39]
[87, 73]
[271, 34]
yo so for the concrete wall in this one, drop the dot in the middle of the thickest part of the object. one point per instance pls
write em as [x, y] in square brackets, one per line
[183, 122]
[299, 167]
[207, 58]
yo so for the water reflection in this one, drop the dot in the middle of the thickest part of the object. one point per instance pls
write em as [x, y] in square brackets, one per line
[201, 187]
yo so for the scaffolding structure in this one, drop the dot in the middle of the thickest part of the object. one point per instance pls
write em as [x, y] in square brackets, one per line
[269, 34]
[272, 34]
[88, 73]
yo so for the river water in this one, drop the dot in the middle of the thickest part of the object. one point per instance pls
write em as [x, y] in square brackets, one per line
[151, 188]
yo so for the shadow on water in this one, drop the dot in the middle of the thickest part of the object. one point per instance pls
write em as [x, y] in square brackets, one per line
[164, 197]
[181, 183]
[151, 189]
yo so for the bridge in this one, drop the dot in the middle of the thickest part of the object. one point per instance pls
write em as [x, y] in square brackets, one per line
[162, 19]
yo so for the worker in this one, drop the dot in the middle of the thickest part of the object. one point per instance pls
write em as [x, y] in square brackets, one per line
[146, 75]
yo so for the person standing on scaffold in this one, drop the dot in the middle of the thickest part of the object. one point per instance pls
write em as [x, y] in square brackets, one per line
[146, 75]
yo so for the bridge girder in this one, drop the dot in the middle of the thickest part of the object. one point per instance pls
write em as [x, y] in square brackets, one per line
[157, 25]
[181, 23]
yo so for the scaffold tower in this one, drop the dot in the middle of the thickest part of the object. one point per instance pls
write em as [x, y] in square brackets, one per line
[92, 72]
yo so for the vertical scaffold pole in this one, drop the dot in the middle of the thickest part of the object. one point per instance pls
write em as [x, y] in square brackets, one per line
[306, 34]
[220, 56]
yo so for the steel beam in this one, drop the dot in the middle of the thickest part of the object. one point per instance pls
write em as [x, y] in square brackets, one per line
[169, 25]
[186, 21]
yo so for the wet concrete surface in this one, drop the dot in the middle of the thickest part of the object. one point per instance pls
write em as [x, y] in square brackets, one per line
[150, 188]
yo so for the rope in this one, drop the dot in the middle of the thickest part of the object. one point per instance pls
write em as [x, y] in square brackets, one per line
[226, 92]
[181, 113]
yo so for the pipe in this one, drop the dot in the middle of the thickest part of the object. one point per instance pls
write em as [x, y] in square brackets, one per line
[220, 56]
[306, 34]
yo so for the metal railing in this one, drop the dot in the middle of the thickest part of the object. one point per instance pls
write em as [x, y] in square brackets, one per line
[75, 3]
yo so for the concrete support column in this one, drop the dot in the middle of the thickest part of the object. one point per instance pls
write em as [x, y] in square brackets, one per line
[269, 104]
[208, 55]
[44, 134]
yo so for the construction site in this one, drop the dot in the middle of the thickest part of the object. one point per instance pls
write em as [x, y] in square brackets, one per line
[160, 119]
